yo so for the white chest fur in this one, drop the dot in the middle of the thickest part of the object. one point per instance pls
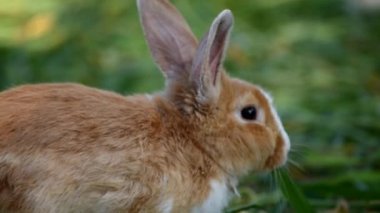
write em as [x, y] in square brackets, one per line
[217, 199]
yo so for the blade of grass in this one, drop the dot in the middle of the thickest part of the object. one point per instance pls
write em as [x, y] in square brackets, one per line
[242, 208]
[292, 192]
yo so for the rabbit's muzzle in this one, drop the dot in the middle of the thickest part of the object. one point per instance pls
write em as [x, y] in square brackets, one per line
[279, 156]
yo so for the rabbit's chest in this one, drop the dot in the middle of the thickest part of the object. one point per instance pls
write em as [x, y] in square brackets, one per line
[217, 199]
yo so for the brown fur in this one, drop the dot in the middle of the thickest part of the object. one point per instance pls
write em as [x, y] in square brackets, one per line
[71, 148]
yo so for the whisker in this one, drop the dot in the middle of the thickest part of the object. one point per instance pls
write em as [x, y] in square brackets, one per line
[298, 147]
[295, 167]
[296, 150]
[296, 156]
[298, 144]
[295, 164]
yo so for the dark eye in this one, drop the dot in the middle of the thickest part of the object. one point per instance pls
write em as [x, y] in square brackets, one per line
[249, 113]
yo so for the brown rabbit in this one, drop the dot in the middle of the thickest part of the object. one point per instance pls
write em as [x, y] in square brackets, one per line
[71, 148]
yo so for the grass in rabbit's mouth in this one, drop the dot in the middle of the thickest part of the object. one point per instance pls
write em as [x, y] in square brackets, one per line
[291, 193]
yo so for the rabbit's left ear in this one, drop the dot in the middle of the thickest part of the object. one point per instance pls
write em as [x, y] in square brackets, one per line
[206, 68]
[169, 37]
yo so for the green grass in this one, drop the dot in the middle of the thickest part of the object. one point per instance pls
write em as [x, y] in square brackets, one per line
[291, 192]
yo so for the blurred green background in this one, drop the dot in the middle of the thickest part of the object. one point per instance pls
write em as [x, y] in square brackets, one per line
[320, 59]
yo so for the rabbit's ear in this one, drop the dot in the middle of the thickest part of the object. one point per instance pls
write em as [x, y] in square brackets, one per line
[169, 37]
[210, 55]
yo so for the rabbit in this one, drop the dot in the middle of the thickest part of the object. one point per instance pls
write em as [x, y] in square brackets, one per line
[66, 147]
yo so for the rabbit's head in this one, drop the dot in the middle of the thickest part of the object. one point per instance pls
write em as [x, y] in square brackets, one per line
[234, 121]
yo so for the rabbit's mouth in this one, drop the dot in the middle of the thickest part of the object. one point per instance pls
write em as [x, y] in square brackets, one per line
[279, 156]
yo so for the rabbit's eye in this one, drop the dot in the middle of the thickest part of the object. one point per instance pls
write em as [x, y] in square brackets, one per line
[249, 113]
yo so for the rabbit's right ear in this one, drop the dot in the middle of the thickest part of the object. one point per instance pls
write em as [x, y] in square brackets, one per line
[169, 37]
[206, 71]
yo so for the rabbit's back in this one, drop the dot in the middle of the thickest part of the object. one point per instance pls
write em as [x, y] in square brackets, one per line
[45, 114]
[61, 141]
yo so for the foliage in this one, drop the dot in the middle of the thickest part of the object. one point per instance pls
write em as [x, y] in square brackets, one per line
[319, 58]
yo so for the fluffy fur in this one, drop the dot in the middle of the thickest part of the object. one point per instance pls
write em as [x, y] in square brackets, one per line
[71, 148]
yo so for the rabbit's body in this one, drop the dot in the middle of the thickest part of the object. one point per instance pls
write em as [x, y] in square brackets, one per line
[82, 143]
[71, 148]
